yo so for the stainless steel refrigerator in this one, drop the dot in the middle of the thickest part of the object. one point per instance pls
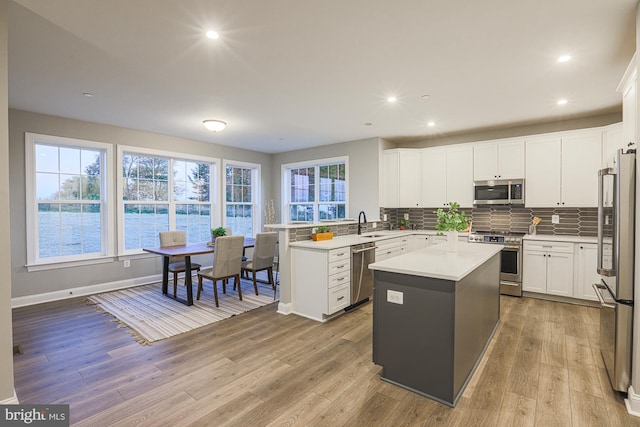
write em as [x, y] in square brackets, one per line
[616, 248]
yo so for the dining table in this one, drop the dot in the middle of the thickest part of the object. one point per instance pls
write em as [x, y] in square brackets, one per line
[186, 251]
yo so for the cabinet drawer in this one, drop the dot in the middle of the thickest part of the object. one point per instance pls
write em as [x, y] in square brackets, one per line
[339, 266]
[339, 254]
[343, 278]
[339, 298]
[388, 243]
[563, 247]
[385, 253]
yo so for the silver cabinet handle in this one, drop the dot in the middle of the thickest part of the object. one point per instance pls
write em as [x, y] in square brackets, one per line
[340, 279]
[340, 298]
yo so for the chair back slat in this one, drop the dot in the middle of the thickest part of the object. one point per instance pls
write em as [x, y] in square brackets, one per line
[227, 258]
[265, 250]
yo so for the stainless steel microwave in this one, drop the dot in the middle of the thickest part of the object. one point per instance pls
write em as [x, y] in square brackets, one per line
[499, 192]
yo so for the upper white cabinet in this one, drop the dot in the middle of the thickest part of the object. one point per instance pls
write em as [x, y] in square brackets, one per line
[628, 87]
[498, 160]
[460, 175]
[402, 178]
[562, 171]
[434, 172]
[612, 141]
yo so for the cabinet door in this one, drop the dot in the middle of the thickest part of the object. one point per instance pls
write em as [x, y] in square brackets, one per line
[410, 182]
[534, 271]
[542, 182]
[612, 141]
[511, 160]
[587, 273]
[460, 175]
[581, 159]
[391, 178]
[485, 162]
[560, 273]
[629, 115]
[434, 177]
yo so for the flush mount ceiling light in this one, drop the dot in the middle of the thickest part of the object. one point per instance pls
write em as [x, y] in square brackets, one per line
[431, 124]
[213, 35]
[564, 58]
[392, 99]
[214, 125]
[562, 101]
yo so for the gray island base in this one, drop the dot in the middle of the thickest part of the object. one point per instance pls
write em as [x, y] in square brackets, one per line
[430, 333]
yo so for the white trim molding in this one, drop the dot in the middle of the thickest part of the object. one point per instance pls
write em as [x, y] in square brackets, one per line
[11, 401]
[632, 402]
[285, 308]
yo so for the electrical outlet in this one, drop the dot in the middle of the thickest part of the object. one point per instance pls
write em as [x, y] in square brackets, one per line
[384, 217]
[127, 263]
[374, 225]
[555, 219]
[395, 297]
[406, 216]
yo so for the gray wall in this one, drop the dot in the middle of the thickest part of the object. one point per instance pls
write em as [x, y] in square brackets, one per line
[6, 332]
[31, 283]
[364, 166]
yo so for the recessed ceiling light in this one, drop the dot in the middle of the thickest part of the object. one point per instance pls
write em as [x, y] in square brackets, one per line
[425, 96]
[87, 95]
[564, 58]
[214, 125]
[431, 124]
[392, 99]
[562, 101]
[368, 123]
[213, 35]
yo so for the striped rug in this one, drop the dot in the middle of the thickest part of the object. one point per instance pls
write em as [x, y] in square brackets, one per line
[153, 317]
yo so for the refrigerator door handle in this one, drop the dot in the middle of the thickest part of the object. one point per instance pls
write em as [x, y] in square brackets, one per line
[600, 269]
[596, 288]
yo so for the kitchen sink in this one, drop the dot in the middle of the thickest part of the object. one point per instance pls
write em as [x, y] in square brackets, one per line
[372, 235]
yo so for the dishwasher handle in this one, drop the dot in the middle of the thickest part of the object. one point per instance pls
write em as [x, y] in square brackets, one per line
[357, 251]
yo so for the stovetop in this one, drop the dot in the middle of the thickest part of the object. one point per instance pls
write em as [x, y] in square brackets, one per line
[496, 236]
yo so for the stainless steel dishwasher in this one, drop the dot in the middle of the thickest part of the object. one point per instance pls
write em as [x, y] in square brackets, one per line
[361, 277]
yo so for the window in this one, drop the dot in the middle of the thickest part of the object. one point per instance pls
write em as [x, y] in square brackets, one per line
[162, 192]
[316, 191]
[68, 205]
[241, 198]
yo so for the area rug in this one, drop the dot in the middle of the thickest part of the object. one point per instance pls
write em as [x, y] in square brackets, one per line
[153, 317]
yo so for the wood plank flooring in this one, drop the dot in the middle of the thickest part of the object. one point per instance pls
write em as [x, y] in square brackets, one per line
[543, 368]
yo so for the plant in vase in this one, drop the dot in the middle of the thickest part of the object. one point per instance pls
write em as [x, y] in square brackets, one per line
[451, 221]
[217, 232]
[322, 232]
[403, 223]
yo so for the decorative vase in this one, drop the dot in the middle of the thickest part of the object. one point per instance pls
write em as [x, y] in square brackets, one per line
[452, 241]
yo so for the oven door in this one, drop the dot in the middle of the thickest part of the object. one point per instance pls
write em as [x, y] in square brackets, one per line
[511, 271]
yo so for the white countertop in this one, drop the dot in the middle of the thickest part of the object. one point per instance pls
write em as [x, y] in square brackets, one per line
[561, 238]
[436, 262]
[354, 239]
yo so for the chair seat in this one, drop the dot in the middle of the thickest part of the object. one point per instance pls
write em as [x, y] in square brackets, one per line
[208, 273]
[179, 267]
[247, 265]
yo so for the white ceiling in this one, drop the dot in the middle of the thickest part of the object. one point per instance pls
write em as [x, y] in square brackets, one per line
[290, 74]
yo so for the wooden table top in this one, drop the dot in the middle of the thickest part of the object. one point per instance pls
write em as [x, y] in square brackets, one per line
[192, 249]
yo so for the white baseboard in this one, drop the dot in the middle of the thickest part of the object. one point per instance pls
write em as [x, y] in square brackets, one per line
[632, 402]
[83, 291]
[284, 308]
[10, 401]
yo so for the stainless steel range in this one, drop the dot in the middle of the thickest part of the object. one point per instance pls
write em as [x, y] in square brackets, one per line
[511, 258]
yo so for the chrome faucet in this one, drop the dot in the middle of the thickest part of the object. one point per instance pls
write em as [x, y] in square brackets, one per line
[364, 216]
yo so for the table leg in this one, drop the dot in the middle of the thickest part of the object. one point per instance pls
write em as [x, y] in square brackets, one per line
[165, 275]
[187, 279]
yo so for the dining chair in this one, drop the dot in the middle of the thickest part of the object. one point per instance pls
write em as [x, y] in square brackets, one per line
[176, 264]
[227, 263]
[263, 254]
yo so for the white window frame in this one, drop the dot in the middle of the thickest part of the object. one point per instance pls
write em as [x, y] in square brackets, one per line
[171, 156]
[256, 178]
[34, 262]
[285, 173]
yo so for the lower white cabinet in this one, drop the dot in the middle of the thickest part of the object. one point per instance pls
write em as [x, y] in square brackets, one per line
[586, 274]
[323, 281]
[418, 241]
[389, 248]
[547, 267]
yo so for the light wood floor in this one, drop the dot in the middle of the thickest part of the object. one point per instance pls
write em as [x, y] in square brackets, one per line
[543, 368]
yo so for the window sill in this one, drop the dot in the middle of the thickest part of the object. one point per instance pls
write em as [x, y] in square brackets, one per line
[67, 264]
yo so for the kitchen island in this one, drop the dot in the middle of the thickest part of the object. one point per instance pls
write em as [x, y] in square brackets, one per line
[434, 313]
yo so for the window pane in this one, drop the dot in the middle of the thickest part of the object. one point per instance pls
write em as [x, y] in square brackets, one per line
[142, 224]
[46, 158]
[69, 229]
[47, 186]
[301, 213]
[69, 160]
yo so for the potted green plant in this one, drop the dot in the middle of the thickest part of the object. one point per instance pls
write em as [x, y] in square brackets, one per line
[322, 232]
[451, 221]
[403, 223]
[217, 232]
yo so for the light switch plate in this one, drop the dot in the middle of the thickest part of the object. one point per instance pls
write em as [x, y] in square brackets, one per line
[555, 219]
[395, 297]
[406, 216]
[374, 225]
[384, 217]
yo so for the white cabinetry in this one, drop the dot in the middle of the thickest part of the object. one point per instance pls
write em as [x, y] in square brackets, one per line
[586, 272]
[498, 160]
[547, 268]
[628, 87]
[612, 141]
[460, 175]
[389, 248]
[402, 178]
[418, 241]
[434, 172]
[322, 281]
[562, 171]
